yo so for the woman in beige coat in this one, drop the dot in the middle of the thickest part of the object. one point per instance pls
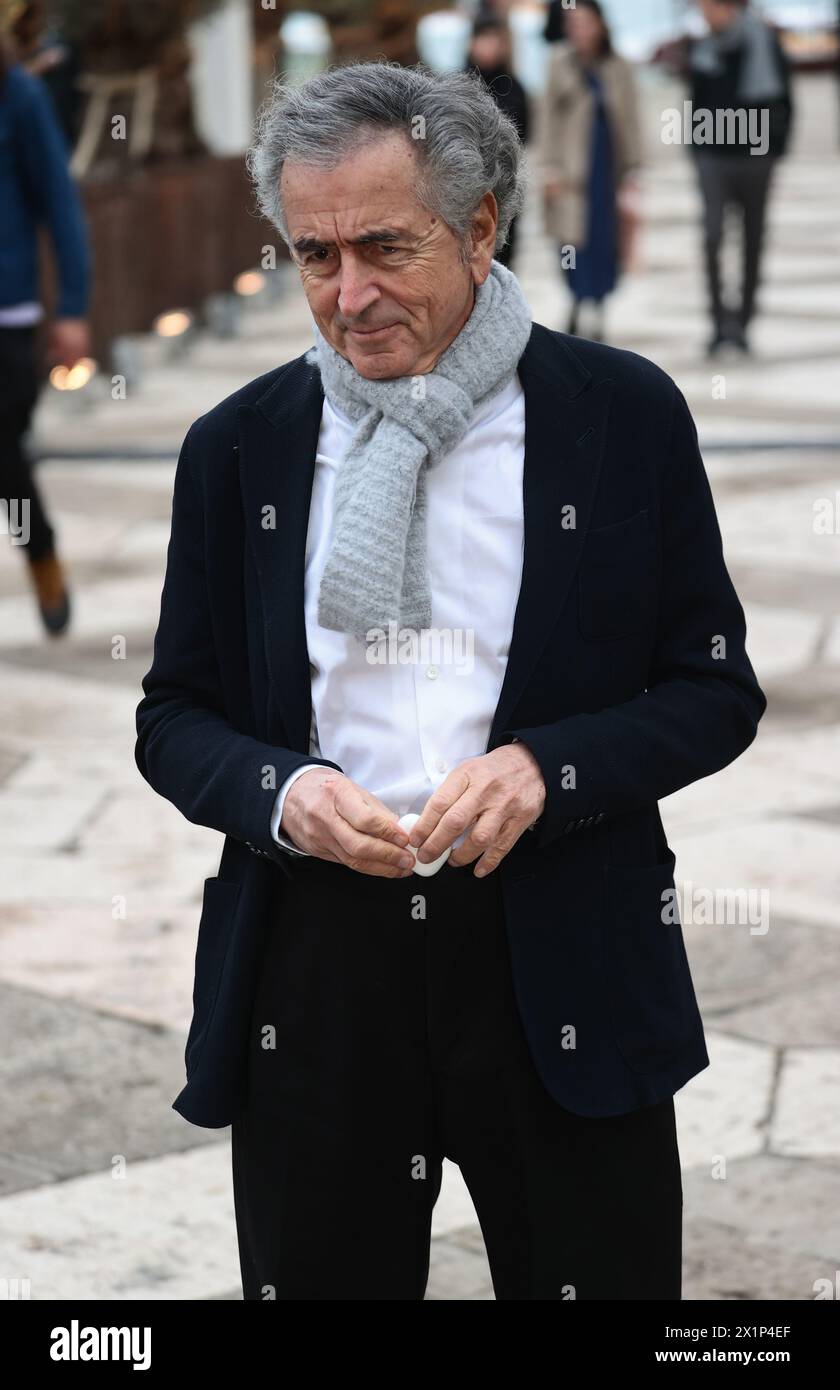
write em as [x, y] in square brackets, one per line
[590, 148]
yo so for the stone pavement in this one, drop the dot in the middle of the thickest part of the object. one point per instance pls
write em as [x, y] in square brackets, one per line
[96, 997]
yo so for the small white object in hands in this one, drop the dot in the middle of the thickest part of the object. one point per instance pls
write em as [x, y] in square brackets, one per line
[424, 870]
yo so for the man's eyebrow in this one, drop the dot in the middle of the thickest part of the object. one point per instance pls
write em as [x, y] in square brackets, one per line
[309, 243]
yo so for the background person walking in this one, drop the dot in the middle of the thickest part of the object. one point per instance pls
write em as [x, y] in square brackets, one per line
[590, 148]
[491, 56]
[35, 189]
[739, 65]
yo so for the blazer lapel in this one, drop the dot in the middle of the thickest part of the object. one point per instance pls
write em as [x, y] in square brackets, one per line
[278, 440]
[565, 430]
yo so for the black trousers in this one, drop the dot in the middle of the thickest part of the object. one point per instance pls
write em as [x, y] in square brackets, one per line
[385, 1036]
[741, 183]
[18, 394]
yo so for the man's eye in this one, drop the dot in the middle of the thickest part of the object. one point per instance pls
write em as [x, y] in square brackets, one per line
[387, 247]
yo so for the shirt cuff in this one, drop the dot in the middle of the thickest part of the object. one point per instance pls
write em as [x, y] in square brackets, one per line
[277, 813]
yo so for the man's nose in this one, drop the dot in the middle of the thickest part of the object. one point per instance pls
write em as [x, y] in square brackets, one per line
[356, 290]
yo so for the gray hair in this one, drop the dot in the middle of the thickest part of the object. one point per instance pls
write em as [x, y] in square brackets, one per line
[466, 146]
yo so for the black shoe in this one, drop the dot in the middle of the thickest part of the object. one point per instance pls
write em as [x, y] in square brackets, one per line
[716, 343]
[732, 327]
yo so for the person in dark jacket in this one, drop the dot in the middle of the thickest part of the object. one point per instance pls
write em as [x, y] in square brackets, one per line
[739, 67]
[528, 1010]
[35, 190]
[490, 55]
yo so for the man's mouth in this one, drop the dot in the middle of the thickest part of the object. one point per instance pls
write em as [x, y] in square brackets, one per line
[371, 332]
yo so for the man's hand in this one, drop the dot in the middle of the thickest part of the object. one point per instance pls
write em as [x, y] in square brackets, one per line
[498, 794]
[67, 341]
[332, 817]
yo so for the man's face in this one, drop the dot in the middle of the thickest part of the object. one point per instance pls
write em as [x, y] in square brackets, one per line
[382, 274]
[584, 31]
[718, 14]
[487, 50]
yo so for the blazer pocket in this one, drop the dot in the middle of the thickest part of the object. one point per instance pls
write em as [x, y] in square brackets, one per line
[617, 579]
[653, 1005]
[215, 929]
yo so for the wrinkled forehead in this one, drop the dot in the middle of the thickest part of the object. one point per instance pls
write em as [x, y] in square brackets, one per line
[373, 166]
[369, 189]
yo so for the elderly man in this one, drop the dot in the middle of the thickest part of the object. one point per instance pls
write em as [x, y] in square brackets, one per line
[439, 469]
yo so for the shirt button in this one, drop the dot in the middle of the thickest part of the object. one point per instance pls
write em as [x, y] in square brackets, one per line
[441, 764]
[432, 673]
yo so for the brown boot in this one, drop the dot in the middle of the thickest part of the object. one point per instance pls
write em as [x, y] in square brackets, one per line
[51, 593]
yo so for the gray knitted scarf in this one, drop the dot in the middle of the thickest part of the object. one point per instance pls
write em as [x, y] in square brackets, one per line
[759, 75]
[375, 571]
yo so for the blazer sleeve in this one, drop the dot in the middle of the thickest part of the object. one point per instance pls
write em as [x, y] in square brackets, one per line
[187, 749]
[702, 704]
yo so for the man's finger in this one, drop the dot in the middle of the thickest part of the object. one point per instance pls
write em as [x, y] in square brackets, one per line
[505, 841]
[485, 831]
[452, 823]
[361, 849]
[438, 804]
[364, 834]
[366, 813]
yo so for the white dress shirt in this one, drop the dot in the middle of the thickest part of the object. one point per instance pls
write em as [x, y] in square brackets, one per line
[399, 726]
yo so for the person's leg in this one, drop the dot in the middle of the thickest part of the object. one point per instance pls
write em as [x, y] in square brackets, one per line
[754, 194]
[18, 394]
[712, 181]
[570, 1206]
[592, 319]
[18, 488]
[335, 1164]
[568, 273]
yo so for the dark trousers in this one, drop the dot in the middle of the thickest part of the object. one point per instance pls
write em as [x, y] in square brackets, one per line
[741, 183]
[382, 1040]
[18, 394]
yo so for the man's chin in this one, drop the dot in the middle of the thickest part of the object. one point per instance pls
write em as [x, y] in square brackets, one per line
[379, 366]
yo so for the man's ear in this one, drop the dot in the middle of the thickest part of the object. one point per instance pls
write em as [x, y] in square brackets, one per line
[483, 237]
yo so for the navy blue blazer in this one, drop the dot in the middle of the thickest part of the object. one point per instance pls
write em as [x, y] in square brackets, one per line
[617, 679]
